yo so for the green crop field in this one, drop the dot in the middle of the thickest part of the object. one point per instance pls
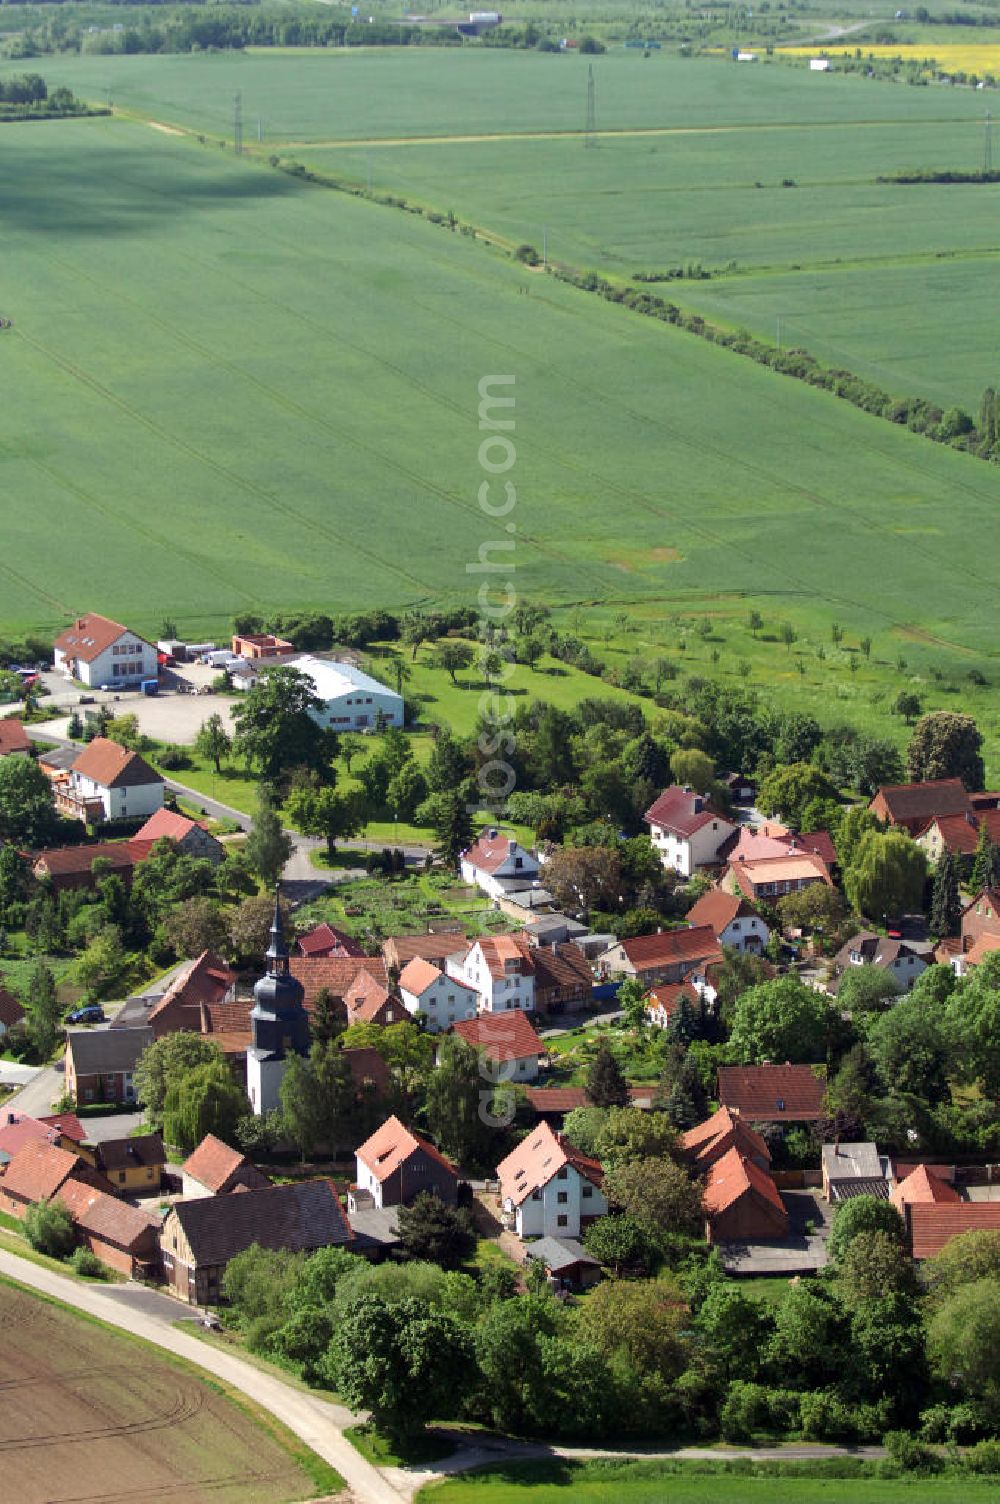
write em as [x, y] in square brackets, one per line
[552, 1482]
[227, 388]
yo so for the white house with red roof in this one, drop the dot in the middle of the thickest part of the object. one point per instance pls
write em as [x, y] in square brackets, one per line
[97, 652]
[431, 994]
[108, 782]
[396, 1164]
[736, 924]
[500, 970]
[498, 865]
[687, 830]
[508, 1041]
[548, 1188]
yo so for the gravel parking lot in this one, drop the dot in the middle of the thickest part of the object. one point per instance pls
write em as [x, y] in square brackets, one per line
[170, 716]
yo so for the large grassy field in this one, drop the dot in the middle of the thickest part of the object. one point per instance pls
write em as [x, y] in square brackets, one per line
[554, 1482]
[227, 389]
[89, 1414]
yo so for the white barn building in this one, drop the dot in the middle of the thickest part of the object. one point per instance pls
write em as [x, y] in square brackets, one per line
[352, 699]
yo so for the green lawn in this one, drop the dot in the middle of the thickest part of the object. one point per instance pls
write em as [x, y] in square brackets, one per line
[601, 1482]
[383, 1453]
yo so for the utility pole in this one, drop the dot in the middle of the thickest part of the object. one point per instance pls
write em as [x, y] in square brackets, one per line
[988, 145]
[238, 124]
[591, 122]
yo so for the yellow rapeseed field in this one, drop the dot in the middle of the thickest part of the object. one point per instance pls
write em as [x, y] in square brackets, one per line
[956, 56]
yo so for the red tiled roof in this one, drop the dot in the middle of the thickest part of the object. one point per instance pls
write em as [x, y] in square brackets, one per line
[733, 1176]
[112, 766]
[561, 967]
[557, 1098]
[682, 811]
[37, 1171]
[717, 909]
[773, 1093]
[399, 949]
[213, 1163]
[68, 1123]
[923, 1185]
[417, 975]
[11, 1012]
[18, 1129]
[167, 825]
[324, 940]
[335, 973]
[537, 1159]
[960, 833]
[392, 1145]
[707, 1141]
[671, 946]
[490, 853]
[89, 636]
[365, 1000]
[794, 866]
[501, 1036]
[498, 950]
[13, 737]
[820, 843]
[933, 1224]
[909, 802]
[108, 1218]
[64, 861]
[206, 979]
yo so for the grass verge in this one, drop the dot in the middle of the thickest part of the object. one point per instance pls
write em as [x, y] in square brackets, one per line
[378, 1449]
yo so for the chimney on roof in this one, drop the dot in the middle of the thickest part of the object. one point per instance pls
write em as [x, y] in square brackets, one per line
[511, 847]
[687, 788]
[698, 803]
[492, 834]
[80, 625]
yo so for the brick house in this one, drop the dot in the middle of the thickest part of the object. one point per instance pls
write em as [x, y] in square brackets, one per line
[334, 973]
[205, 980]
[189, 836]
[38, 1171]
[213, 1169]
[396, 1164]
[67, 868]
[911, 806]
[199, 1237]
[124, 1237]
[323, 940]
[742, 1202]
[100, 1063]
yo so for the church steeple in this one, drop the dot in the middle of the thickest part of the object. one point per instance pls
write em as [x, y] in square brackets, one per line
[278, 1019]
[277, 951]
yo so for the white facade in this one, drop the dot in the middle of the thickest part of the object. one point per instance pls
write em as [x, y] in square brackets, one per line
[352, 700]
[685, 854]
[496, 994]
[442, 1003]
[132, 801]
[367, 1180]
[559, 1209]
[904, 970]
[745, 932]
[264, 1079]
[518, 866]
[193, 1190]
[128, 661]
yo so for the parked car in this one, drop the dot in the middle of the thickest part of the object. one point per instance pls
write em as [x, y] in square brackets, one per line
[93, 1013]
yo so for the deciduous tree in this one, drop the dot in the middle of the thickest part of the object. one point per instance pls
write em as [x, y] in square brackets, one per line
[886, 876]
[204, 1100]
[945, 744]
[780, 1020]
[268, 846]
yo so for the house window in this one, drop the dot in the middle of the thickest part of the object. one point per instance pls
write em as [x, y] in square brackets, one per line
[562, 1198]
[536, 1195]
[562, 1221]
[121, 1177]
[561, 1174]
[588, 1191]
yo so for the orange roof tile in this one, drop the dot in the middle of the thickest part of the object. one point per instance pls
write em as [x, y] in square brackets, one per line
[335, 973]
[736, 1175]
[108, 1218]
[38, 1170]
[934, 1224]
[501, 1036]
[112, 766]
[707, 1141]
[537, 1158]
[13, 737]
[417, 975]
[89, 636]
[213, 1163]
[922, 1185]
[393, 1144]
[669, 947]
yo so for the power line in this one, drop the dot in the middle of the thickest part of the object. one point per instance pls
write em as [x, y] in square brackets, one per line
[238, 124]
[589, 138]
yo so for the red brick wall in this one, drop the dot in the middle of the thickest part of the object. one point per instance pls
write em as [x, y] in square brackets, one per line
[974, 925]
